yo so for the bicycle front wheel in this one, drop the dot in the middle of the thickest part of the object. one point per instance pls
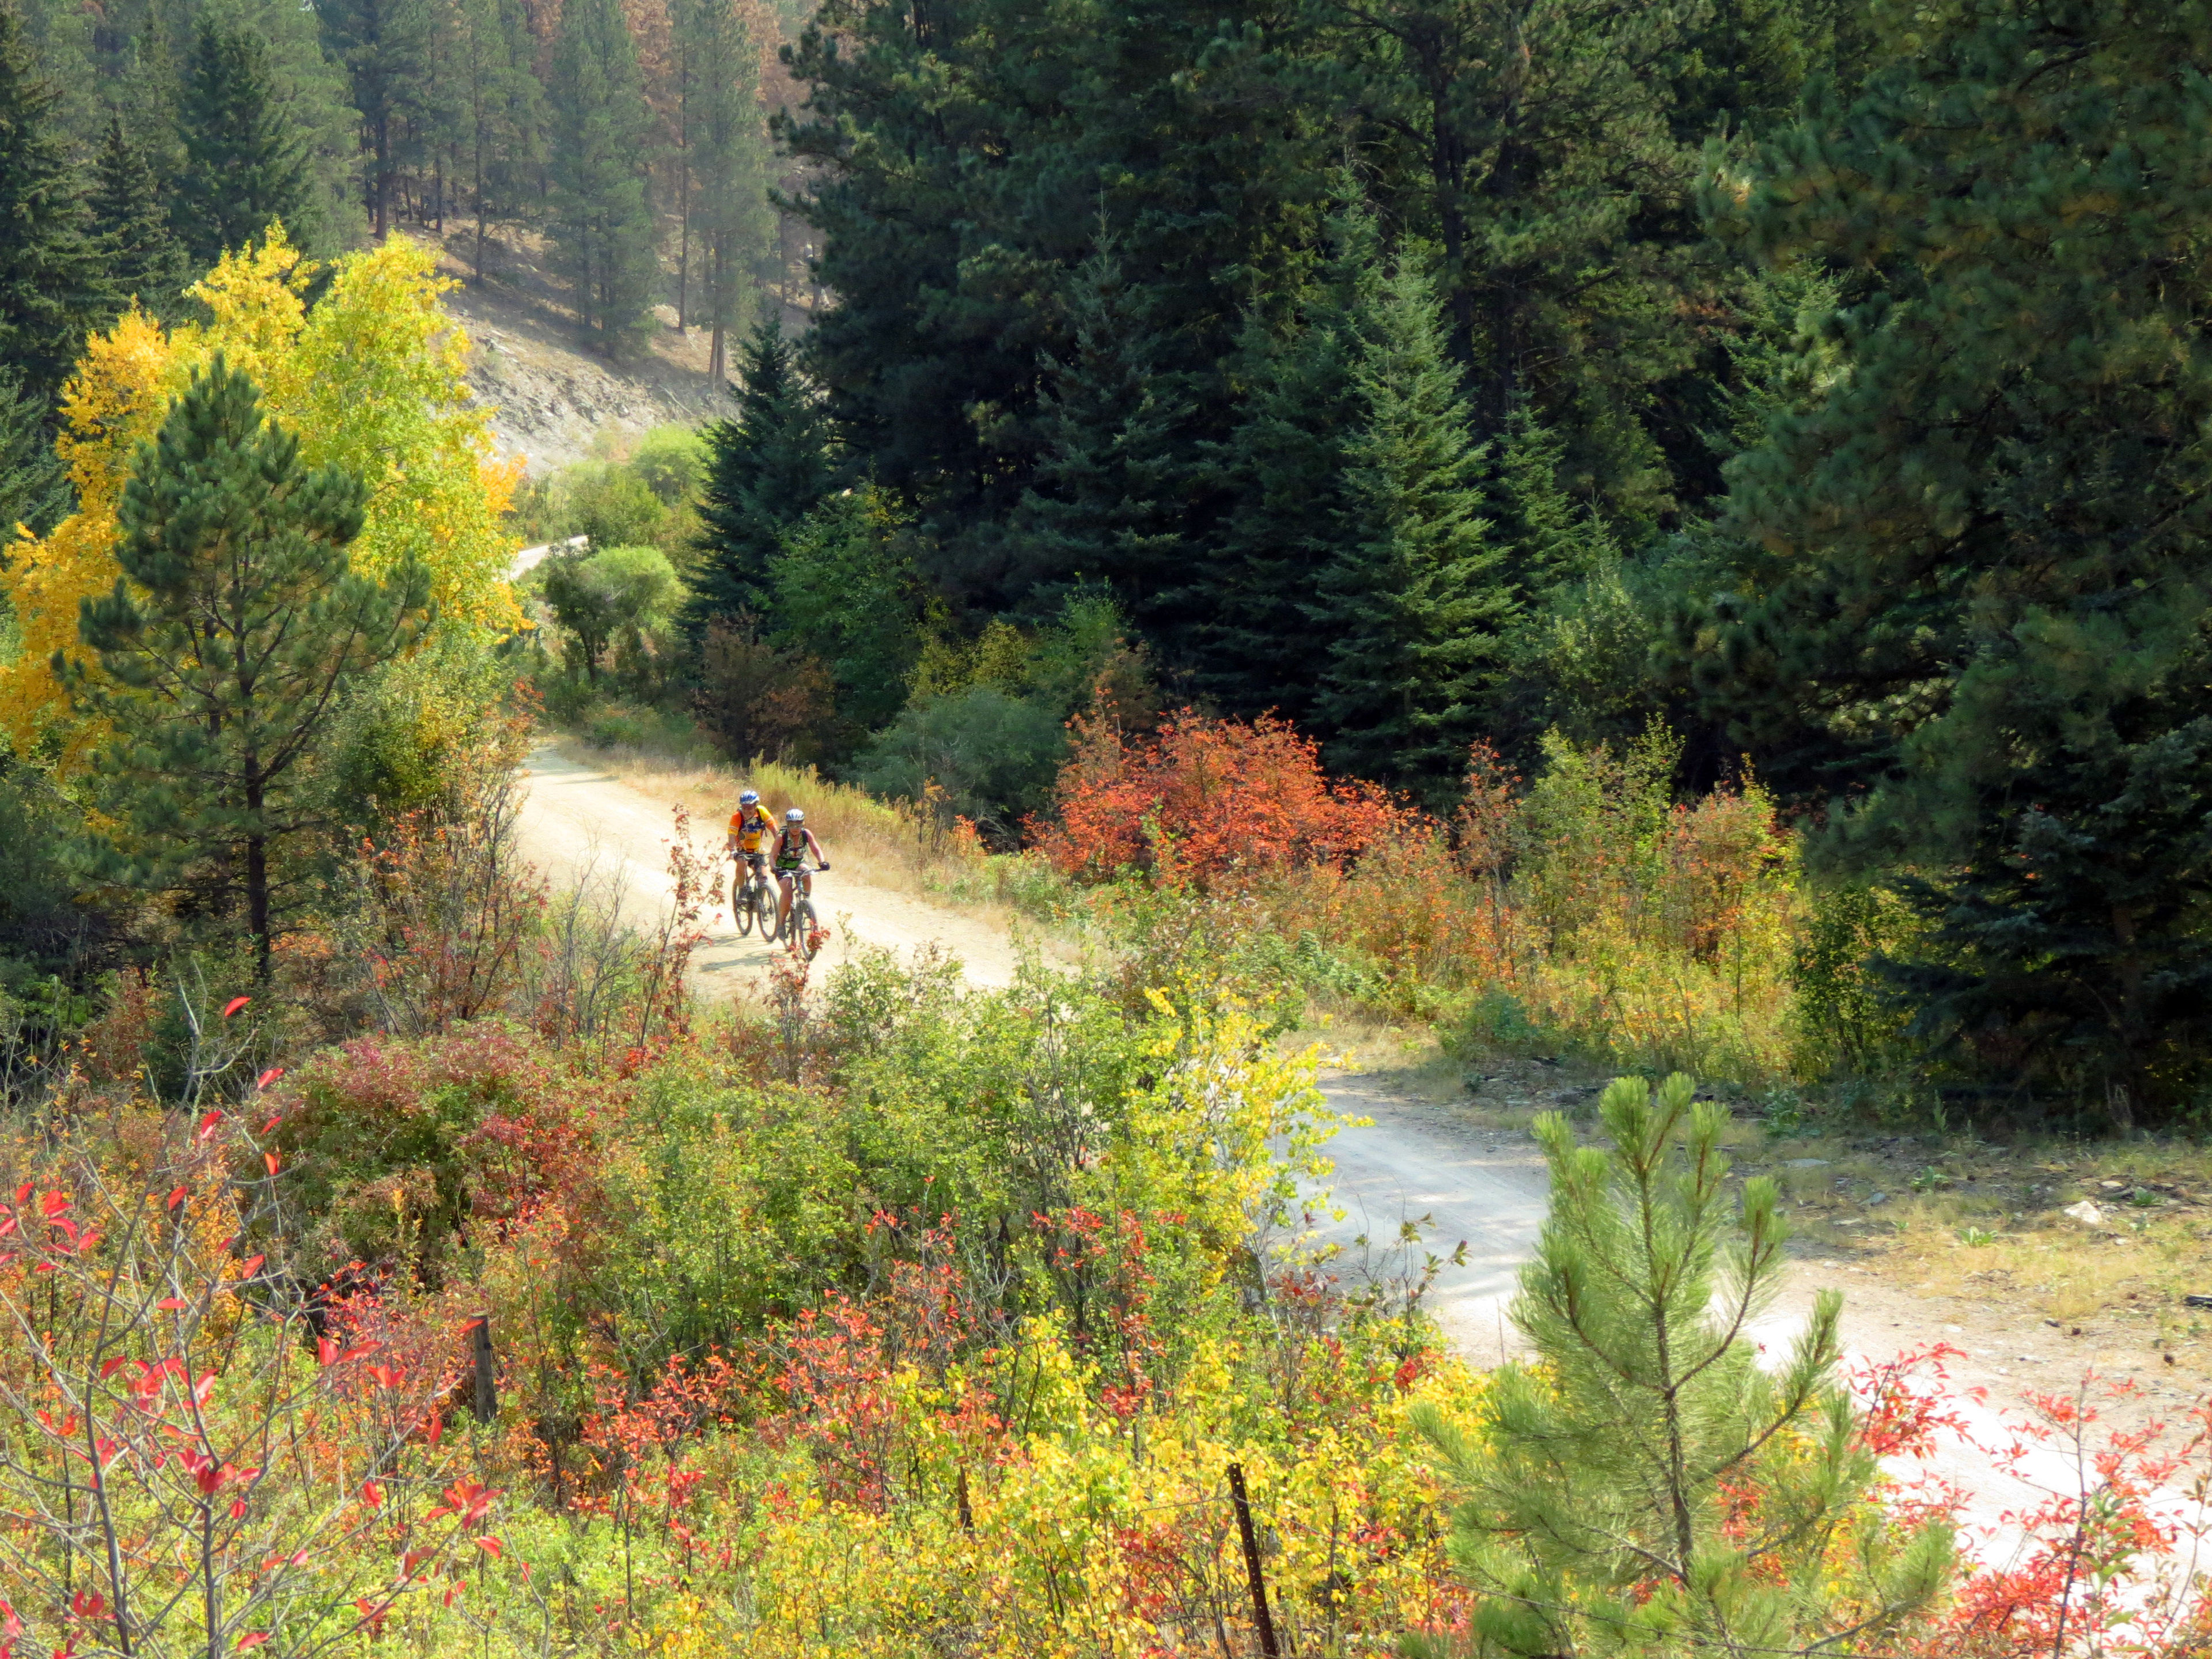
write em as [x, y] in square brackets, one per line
[803, 927]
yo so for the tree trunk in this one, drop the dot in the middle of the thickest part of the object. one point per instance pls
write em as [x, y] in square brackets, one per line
[380, 192]
[256, 869]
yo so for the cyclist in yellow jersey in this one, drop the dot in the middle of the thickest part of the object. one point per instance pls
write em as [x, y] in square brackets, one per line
[749, 828]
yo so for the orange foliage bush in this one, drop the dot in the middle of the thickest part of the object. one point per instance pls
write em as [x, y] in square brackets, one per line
[1208, 803]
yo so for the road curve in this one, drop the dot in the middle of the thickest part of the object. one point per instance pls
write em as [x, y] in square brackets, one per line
[1457, 1183]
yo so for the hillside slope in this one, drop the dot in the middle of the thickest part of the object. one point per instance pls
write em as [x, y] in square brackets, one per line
[556, 400]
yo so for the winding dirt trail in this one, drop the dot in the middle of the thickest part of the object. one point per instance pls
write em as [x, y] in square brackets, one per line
[1415, 1161]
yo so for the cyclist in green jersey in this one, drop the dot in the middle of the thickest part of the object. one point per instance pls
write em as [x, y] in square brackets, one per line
[793, 842]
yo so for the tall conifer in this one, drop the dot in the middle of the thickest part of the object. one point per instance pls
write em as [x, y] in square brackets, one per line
[228, 649]
[726, 163]
[51, 286]
[1410, 608]
[1283, 469]
[602, 222]
[766, 470]
[245, 161]
[387, 47]
[1973, 562]
[145, 261]
[1113, 487]
[33, 491]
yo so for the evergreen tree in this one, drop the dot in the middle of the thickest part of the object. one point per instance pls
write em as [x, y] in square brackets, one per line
[1645, 1486]
[387, 48]
[1549, 540]
[501, 109]
[957, 166]
[1283, 468]
[1972, 563]
[226, 647]
[145, 261]
[1410, 608]
[50, 290]
[245, 162]
[726, 163]
[1114, 484]
[766, 470]
[33, 491]
[602, 222]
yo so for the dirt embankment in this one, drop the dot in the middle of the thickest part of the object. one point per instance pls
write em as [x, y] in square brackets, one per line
[556, 401]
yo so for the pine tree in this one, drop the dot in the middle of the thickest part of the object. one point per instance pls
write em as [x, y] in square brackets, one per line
[1410, 608]
[1645, 1486]
[1114, 485]
[226, 647]
[726, 162]
[387, 49]
[33, 491]
[502, 110]
[145, 261]
[245, 162]
[602, 222]
[51, 288]
[1972, 567]
[766, 470]
[1284, 468]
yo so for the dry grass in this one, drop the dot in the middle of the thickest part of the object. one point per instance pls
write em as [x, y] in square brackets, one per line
[1970, 1219]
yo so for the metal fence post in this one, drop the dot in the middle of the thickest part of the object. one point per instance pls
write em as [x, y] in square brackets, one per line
[487, 1384]
[1261, 1617]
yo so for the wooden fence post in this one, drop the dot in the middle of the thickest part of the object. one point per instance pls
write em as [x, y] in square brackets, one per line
[1261, 1617]
[487, 1384]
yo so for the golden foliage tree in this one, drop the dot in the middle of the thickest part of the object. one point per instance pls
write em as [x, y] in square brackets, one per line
[371, 380]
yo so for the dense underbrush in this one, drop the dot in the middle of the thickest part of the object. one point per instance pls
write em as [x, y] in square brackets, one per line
[906, 1314]
[462, 1288]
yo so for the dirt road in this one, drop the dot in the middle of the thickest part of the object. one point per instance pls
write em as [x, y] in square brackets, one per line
[1417, 1161]
[580, 825]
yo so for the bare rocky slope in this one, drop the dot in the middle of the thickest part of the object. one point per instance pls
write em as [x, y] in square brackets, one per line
[555, 400]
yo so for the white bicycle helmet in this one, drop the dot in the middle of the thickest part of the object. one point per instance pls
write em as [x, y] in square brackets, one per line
[797, 815]
[750, 798]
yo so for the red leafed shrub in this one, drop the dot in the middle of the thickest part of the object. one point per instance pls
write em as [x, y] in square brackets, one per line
[1206, 802]
[399, 1146]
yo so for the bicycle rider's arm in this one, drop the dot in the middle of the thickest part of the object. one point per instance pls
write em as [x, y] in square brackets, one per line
[820, 857]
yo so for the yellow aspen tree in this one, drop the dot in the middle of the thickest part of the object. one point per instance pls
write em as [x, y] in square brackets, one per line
[371, 379]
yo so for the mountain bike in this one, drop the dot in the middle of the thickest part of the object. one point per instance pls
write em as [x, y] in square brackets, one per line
[752, 898]
[804, 931]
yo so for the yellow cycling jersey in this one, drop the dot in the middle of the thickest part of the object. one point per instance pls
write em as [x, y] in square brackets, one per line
[747, 831]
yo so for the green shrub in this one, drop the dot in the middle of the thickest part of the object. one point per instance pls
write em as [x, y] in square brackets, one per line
[993, 756]
[413, 734]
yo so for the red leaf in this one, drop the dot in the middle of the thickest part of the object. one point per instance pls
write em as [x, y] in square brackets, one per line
[170, 1303]
[228, 1009]
[490, 1546]
[271, 1160]
[251, 1266]
[275, 1118]
[326, 1352]
[207, 1123]
[268, 1077]
[238, 1510]
[176, 1198]
[53, 1203]
[110, 1367]
[372, 1494]
[252, 1638]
